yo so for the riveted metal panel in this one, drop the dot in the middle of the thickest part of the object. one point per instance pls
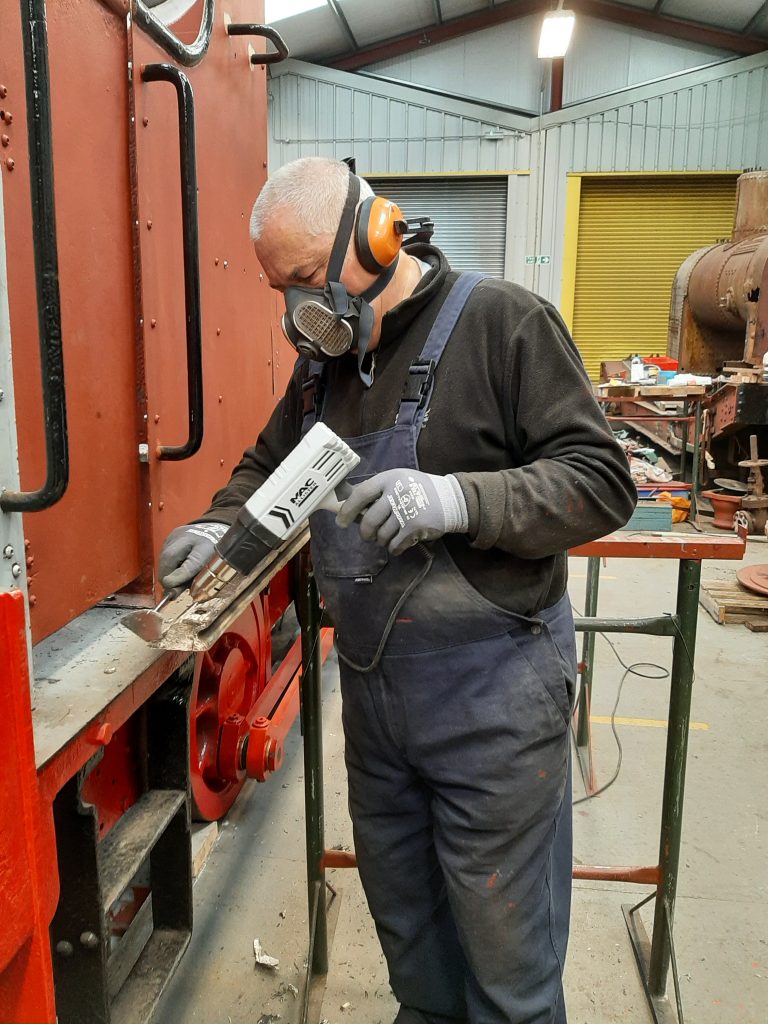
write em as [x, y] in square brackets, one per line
[240, 378]
[88, 544]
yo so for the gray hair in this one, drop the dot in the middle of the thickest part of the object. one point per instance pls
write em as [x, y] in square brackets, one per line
[313, 189]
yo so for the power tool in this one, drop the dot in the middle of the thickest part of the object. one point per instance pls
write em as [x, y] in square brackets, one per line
[306, 480]
[312, 477]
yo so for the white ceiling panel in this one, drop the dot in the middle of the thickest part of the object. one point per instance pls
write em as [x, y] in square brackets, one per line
[315, 34]
[371, 22]
[455, 8]
[729, 14]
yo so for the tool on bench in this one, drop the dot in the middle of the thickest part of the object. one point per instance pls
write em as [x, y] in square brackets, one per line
[310, 478]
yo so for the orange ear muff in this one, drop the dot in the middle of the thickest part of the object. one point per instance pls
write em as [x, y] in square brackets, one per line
[379, 233]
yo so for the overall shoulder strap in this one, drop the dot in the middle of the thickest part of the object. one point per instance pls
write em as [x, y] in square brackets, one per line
[312, 393]
[417, 389]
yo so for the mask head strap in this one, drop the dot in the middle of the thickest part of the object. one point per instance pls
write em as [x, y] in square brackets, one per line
[344, 232]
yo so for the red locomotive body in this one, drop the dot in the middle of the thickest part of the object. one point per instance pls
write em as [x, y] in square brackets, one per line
[139, 354]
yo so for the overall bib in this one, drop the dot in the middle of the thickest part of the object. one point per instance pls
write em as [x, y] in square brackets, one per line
[457, 754]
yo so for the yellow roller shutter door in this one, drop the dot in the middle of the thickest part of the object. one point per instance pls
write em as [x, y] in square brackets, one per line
[633, 235]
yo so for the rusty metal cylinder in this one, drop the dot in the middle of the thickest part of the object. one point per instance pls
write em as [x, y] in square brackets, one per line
[726, 280]
[751, 205]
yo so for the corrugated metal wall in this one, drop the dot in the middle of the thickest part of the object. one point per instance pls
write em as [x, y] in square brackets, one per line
[710, 120]
[388, 128]
[714, 119]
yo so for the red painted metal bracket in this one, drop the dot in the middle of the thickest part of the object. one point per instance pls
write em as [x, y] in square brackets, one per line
[29, 885]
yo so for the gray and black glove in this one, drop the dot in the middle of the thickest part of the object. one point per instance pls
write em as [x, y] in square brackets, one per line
[405, 507]
[185, 552]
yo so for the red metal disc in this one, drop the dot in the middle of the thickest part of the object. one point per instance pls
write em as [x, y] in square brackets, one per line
[227, 681]
[754, 577]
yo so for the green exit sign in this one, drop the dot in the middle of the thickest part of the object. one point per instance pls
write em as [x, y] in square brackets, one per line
[538, 259]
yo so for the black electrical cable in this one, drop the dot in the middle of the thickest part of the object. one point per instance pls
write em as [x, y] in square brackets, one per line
[633, 669]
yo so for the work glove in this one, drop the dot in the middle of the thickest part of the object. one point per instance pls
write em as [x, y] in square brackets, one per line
[185, 552]
[404, 507]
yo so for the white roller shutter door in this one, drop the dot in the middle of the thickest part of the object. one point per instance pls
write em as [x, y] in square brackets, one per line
[470, 216]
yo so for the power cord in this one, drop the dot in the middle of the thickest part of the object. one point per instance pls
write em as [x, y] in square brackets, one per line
[635, 669]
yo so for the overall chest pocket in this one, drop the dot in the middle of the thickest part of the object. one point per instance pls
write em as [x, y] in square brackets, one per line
[343, 554]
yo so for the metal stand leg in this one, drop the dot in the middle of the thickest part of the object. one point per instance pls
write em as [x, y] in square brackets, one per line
[312, 730]
[583, 730]
[681, 685]
[695, 465]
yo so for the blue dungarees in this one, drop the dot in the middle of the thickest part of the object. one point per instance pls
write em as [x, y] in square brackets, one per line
[458, 759]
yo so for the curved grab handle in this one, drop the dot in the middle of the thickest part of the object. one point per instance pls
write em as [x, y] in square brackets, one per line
[188, 168]
[38, 97]
[269, 33]
[188, 55]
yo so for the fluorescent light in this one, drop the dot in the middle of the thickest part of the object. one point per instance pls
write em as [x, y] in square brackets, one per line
[278, 10]
[556, 31]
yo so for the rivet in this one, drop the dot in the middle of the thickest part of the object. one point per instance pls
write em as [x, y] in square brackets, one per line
[161, 505]
[32, 600]
[64, 948]
[7, 116]
[153, 323]
[221, 399]
[157, 417]
[149, 225]
[216, 261]
[226, 264]
[2, 394]
[264, 163]
[261, 277]
[218, 331]
[3, 91]
[10, 163]
[145, 121]
[89, 940]
[536, 629]
[7, 551]
[6, 140]
[15, 570]
[221, 462]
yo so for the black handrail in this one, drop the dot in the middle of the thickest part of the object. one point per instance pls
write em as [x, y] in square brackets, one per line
[38, 96]
[188, 168]
[188, 55]
[269, 33]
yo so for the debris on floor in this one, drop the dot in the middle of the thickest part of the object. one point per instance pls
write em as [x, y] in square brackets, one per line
[263, 958]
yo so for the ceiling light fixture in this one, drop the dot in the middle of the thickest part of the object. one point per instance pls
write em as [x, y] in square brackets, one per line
[556, 32]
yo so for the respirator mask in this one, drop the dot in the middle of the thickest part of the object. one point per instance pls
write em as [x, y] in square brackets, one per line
[323, 323]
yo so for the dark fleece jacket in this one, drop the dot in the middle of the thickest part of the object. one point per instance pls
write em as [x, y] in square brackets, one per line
[512, 415]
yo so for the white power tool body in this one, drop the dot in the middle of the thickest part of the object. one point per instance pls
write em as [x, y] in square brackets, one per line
[305, 481]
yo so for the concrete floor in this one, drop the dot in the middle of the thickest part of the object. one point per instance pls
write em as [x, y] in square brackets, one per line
[254, 883]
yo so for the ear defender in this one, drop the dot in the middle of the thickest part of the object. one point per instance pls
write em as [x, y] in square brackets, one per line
[379, 233]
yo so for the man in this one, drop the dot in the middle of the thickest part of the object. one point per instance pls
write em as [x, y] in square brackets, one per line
[484, 458]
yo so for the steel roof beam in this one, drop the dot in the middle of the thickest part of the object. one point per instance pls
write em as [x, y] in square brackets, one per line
[634, 17]
[756, 18]
[341, 18]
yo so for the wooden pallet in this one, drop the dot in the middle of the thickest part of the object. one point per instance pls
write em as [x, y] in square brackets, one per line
[727, 601]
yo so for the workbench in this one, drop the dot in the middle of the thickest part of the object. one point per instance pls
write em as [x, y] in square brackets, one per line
[653, 956]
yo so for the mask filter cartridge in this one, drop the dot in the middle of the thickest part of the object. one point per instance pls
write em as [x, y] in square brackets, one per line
[323, 329]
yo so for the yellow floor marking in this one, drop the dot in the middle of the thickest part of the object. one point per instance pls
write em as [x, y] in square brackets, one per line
[651, 723]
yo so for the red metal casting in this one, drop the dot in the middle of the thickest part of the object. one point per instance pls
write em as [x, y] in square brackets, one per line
[29, 885]
[271, 719]
[228, 680]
